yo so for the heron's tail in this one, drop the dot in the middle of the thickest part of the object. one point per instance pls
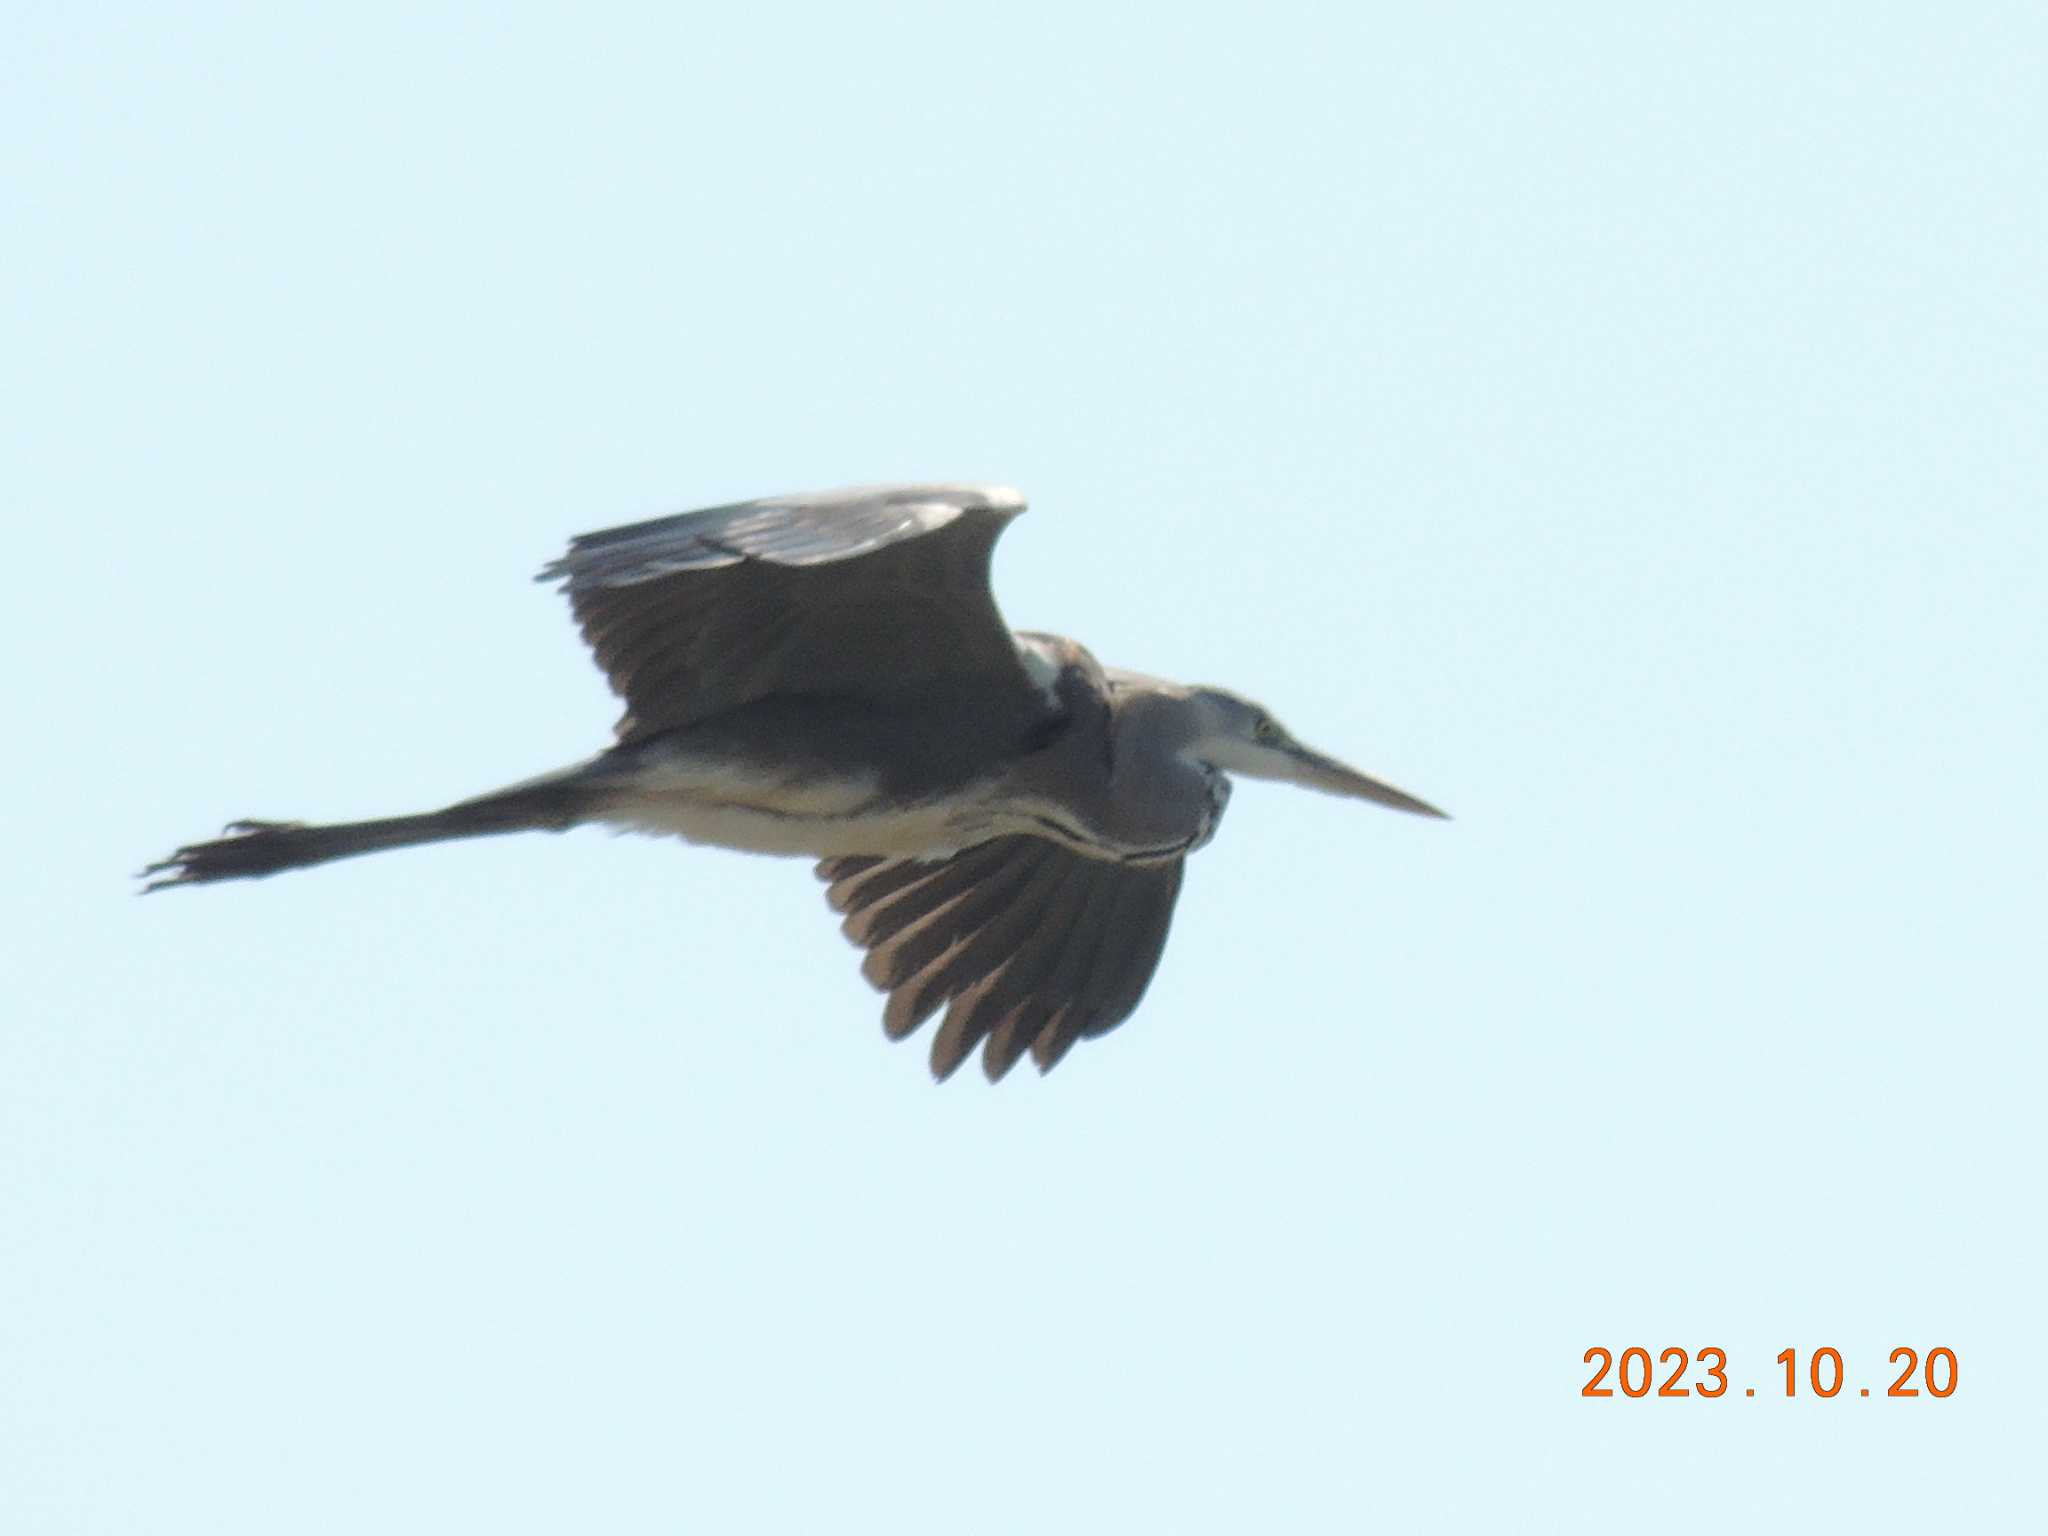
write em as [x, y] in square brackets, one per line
[251, 849]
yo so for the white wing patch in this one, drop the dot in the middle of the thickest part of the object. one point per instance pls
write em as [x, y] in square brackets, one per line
[1042, 664]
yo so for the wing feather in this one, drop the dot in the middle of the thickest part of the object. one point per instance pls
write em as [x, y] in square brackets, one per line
[858, 592]
[1028, 946]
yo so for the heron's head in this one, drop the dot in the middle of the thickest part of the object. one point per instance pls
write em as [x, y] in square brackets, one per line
[1237, 736]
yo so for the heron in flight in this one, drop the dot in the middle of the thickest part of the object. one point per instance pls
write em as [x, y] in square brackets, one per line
[1001, 820]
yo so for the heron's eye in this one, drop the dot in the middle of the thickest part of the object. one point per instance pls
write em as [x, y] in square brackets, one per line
[1265, 732]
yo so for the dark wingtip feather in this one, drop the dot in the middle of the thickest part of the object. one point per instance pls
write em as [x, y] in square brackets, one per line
[1011, 1038]
[1058, 1037]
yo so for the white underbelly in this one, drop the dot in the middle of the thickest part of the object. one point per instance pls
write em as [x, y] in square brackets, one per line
[811, 818]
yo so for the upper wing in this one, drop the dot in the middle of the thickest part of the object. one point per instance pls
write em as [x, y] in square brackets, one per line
[854, 591]
[1029, 945]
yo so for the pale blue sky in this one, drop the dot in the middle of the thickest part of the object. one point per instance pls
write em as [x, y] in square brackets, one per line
[1621, 424]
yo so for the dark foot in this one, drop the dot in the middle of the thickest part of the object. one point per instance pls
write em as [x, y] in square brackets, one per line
[246, 848]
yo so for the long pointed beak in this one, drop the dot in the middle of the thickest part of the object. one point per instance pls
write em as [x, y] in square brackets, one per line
[1335, 778]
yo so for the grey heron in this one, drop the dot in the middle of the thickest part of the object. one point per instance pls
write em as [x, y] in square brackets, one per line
[1001, 820]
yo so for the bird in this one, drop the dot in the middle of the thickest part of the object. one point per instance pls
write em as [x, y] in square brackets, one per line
[1001, 821]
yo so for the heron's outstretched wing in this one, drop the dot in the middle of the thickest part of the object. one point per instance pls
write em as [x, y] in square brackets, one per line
[1027, 945]
[855, 592]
